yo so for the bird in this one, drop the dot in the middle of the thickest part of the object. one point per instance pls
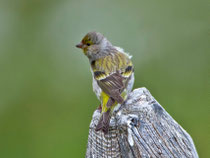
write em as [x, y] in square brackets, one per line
[112, 71]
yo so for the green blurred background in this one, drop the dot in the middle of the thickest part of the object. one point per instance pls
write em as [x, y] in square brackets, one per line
[46, 98]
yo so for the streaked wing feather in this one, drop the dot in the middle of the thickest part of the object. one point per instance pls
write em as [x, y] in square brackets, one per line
[113, 85]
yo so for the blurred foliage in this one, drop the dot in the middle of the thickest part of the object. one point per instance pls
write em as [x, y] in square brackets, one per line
[46, 98]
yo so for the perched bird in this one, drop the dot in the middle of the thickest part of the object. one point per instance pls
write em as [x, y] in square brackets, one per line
[113, 74]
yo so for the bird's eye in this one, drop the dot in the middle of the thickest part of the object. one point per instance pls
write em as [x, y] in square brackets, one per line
[88, 44]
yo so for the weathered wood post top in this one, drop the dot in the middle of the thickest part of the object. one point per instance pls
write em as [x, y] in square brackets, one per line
[140, 128]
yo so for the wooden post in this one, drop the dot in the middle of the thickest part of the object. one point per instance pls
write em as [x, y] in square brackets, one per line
[140, 128]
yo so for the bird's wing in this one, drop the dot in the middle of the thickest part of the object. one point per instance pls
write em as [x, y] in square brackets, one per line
[112, 74]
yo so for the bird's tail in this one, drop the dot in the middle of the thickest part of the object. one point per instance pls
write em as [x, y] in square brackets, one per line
[103, 123]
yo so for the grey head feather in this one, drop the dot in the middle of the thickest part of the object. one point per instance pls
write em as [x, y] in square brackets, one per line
[95, 37]
[101, 46]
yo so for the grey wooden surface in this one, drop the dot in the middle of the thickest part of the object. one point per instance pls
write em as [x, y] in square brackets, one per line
[140, 128]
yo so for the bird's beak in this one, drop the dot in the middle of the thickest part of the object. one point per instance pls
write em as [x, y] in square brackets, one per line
[80, 45]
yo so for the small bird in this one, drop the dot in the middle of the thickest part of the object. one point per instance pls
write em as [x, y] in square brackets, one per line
[113, 74]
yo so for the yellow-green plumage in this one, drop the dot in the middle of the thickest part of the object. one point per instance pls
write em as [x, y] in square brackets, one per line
[112, 63]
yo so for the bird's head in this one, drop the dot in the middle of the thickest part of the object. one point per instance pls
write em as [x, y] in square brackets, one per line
[93, 44]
